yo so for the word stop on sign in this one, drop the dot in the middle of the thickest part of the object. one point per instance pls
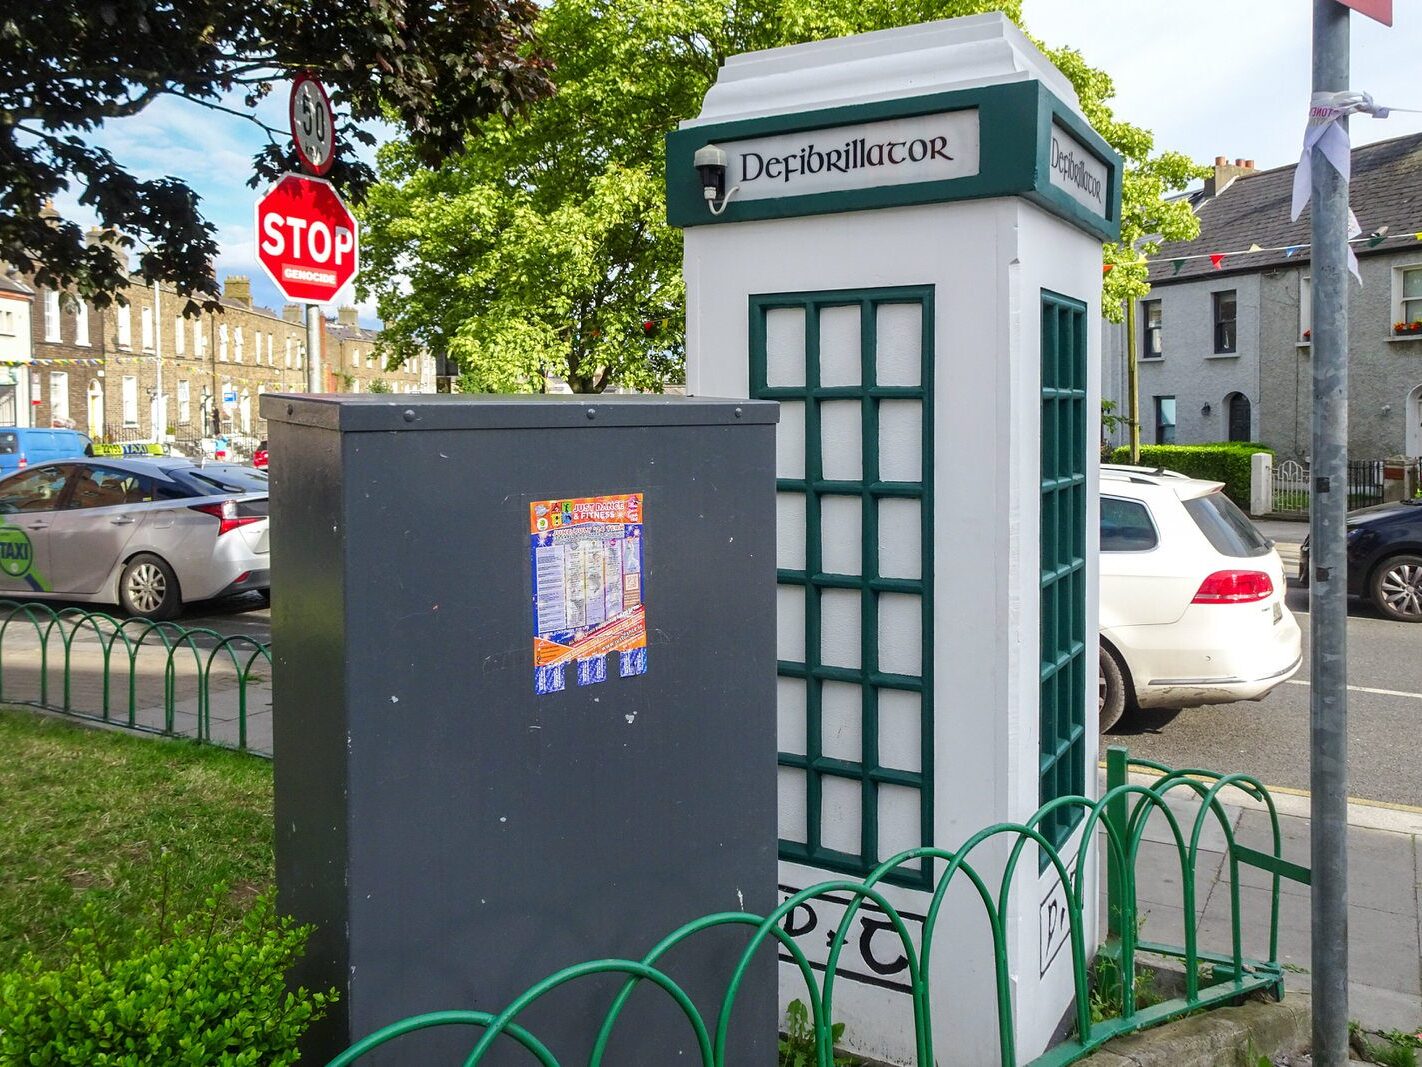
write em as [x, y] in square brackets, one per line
[310, 240]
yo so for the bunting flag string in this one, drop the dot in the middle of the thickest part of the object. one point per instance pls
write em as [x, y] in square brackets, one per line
[1217, 259]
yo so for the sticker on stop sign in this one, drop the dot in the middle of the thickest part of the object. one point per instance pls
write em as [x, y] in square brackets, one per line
[307, 239]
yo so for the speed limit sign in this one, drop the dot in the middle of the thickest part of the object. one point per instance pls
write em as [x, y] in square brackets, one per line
[313, 124]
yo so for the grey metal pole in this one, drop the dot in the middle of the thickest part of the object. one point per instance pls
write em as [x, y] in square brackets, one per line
[1328, 605]
[313, 348]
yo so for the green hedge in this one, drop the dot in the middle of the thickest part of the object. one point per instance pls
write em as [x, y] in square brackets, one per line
[1225, 461]
[186, 996]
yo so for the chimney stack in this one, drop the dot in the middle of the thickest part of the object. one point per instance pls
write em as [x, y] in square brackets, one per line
[237, 289]
[347, 316]
[291, 312]
[1225, 173]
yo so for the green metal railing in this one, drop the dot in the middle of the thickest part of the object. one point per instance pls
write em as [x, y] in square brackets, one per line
[1120, 815]
[122, 645]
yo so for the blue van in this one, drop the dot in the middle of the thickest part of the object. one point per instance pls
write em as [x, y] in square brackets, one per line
[22, 445]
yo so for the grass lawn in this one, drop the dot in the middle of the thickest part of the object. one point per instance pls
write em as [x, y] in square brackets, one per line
[131, 824]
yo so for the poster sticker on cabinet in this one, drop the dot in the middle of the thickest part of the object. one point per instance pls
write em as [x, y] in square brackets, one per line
[587, 589]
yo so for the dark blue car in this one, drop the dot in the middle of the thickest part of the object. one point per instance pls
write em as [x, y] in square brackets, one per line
[1384, 558]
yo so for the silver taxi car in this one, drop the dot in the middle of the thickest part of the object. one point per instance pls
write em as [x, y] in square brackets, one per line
[146, 534]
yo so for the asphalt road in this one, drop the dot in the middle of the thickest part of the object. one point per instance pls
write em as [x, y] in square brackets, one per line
[235, 615]
[1269, 738]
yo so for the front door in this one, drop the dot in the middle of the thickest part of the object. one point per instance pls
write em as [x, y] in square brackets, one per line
[28, 504]
[1413, 440]
[1239, 420]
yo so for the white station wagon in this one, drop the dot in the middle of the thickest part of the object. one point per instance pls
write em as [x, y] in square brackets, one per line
[1192, 597]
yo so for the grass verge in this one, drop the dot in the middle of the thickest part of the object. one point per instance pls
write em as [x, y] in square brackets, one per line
[124, 822]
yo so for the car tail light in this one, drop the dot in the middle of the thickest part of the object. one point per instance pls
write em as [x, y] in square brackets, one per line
[226, 515]
[23, 461]
[1234, 587]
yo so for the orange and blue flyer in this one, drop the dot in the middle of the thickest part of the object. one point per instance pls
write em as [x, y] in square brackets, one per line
[587, 589]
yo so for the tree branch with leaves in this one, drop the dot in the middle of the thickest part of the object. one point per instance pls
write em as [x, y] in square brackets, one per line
[435, 68]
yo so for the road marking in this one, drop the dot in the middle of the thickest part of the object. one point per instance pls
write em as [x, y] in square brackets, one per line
[1362, 814]
[1412, 809]
[1368, 689]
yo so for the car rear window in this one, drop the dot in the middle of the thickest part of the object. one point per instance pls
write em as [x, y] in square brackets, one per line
[1226, 527]
[9, 444]
[229, 480]
[1126, 526]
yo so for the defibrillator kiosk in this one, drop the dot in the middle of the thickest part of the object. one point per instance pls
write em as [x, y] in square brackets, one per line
[897, 236]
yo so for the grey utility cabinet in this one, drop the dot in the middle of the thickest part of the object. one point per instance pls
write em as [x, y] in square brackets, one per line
[459, 821]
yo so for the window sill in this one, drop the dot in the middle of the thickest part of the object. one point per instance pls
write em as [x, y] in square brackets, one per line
[1222, 355]
[1397, 338]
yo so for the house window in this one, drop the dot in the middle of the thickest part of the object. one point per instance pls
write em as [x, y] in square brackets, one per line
[222, 342]
[199, 338]
[1224, 310]
[288, 353]
[180, 339]
[81, 323]
[1410, 305]
[145, 326]
[355, 357]
[125, 326]
[130, 400]
[1150, 329]
[58, 396]
[238, 332]
[1305, 308]
[184, 403]
[51, 315]
[271, 359]
[7, 323]
[1165, 420]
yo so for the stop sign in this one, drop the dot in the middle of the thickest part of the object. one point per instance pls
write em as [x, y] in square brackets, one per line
[306, 239]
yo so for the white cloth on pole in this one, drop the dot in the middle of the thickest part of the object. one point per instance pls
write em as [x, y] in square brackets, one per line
[1325, 133]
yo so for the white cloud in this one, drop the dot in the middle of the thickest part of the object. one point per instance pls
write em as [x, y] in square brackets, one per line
[1221, 77]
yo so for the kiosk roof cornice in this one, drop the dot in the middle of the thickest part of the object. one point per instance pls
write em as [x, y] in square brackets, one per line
[884, 65]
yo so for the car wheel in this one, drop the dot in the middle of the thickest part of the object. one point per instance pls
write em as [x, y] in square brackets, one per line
[1397, 588]
[1111, 690]
[149, 589]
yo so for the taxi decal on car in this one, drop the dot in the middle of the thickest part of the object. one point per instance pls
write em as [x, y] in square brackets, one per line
[17, 557]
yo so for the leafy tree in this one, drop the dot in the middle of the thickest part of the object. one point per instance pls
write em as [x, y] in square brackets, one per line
[542, 248]
[435, 67]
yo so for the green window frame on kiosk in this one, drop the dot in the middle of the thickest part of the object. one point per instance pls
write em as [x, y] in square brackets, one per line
[889, 696]
[1062, 764]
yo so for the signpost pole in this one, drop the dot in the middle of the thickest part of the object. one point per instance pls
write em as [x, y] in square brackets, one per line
[1328, 611]
[313, 348]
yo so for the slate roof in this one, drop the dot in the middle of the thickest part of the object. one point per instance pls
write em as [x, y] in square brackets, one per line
[14, 285]
[352, 333]
[1386, 190]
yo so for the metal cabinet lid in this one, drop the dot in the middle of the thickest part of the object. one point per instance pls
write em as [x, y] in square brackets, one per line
[383, 412]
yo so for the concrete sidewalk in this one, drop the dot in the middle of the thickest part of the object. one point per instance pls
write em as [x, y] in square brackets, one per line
[1384, 882]
[23, 664]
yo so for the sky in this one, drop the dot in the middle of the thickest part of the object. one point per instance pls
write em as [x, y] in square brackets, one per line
[1209, 78]
[1232, 77]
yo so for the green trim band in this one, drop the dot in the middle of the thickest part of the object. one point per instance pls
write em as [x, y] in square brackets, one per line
[1015, 134]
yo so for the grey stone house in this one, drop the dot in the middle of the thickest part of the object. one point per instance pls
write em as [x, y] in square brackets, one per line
[1224, 349]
